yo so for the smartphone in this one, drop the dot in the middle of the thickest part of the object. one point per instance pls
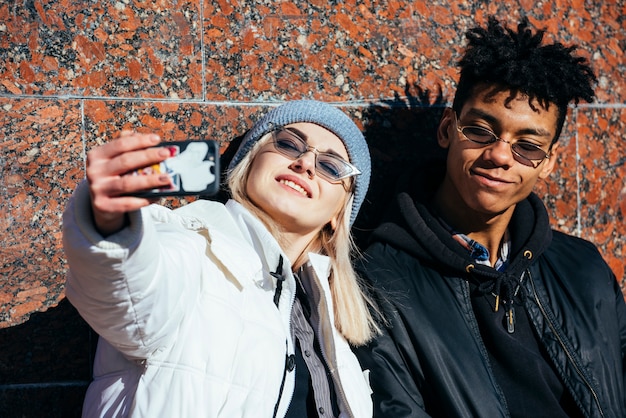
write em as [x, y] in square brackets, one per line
[193, 167]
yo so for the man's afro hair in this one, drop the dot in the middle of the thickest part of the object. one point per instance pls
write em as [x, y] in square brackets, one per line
[519, 63]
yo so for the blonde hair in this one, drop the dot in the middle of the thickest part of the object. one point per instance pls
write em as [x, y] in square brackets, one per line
[353, 318]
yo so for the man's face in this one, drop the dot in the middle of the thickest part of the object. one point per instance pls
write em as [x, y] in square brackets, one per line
[489, 180]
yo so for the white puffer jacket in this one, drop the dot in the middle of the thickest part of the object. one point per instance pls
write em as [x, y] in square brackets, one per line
[183, 303]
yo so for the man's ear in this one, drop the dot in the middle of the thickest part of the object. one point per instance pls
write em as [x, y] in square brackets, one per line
[444, 130]
[549, 165]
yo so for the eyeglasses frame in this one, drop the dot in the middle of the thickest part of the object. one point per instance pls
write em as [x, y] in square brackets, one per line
[534, 162]
[354, 171]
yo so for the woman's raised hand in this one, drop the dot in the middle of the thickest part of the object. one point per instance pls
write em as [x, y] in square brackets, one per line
[110, 185]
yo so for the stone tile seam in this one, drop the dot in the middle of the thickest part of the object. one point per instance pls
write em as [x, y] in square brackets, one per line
[351, 103]
[192, 101]
[83, 134]
[579, 229]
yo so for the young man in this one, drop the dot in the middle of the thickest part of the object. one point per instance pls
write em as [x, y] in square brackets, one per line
[491, 313]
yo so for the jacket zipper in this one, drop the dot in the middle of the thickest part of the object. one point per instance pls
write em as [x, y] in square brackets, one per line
[567, 352]
[282, 384]
[277, 295]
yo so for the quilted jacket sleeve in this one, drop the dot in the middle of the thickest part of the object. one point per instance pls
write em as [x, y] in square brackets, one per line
[132, 286]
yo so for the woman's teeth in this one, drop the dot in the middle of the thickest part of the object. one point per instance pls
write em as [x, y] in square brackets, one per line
[295, 186]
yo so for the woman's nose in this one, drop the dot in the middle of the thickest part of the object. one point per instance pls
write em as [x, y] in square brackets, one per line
[305, 163]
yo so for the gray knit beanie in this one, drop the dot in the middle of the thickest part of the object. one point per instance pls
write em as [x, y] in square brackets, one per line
[324, 115]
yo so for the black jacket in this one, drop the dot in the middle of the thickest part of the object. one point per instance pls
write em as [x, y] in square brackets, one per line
[433, 360]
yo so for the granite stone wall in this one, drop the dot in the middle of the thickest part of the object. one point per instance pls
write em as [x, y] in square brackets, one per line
[73, 74]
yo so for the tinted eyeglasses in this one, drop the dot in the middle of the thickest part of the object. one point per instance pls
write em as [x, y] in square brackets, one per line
[329, 166]
[526, 152]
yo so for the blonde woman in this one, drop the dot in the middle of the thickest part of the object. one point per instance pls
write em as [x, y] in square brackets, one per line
[243, 309]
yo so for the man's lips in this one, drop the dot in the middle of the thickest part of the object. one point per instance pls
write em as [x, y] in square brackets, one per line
[490, 179]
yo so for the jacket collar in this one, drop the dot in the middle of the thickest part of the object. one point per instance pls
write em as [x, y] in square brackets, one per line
[414, 228]
[263, 242]
[232, 226]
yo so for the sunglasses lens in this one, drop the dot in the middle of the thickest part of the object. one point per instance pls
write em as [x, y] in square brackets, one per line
[289, 144]
[529, 151]
[329, 166]
[478, 135]
[333, 168]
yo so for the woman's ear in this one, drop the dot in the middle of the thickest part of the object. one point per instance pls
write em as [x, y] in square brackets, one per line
[333, 223]
[446, 124]
[342, 214]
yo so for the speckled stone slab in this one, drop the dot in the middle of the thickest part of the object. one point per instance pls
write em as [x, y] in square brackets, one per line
[73, 74]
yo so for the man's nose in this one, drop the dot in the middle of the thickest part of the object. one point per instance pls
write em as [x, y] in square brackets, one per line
[500, 152]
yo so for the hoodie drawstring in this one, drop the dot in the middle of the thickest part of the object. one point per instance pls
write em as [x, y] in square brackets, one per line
[505, 288]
